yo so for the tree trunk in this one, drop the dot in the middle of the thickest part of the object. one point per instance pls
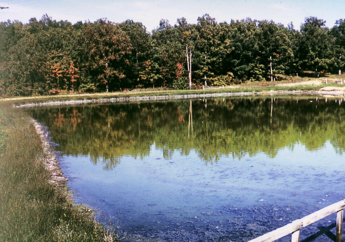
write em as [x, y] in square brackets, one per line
[190, 68]
[189, 65]
[271, 69]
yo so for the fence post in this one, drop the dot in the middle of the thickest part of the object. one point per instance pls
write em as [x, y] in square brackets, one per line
[295, 236]
[339, 229]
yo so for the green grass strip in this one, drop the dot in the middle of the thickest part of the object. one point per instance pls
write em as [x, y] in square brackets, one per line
[31, 208]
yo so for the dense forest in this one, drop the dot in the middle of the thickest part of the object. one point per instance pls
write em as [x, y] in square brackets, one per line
[48, 57]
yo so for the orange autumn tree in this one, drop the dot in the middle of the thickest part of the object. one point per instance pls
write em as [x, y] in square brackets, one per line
[73, 74]
[57, 73]
[179, 71]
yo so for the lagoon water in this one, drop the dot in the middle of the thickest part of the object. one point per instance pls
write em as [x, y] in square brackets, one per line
[202, 170]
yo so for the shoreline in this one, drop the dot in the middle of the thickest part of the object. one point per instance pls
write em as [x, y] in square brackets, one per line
[324, 93]
[35, 200]
[57, 177]
[50, 161]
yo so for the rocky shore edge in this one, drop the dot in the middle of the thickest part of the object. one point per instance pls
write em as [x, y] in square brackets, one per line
[50, 160]
[325, 93]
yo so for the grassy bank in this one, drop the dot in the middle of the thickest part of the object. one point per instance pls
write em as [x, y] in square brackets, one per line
[31, 209]
[290, 83]
[151, 92]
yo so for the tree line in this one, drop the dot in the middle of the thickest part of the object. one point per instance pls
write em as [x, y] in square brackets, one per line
[48, 57]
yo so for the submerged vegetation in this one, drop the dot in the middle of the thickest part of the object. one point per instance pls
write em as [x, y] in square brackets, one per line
[49, 57]
[31, 209]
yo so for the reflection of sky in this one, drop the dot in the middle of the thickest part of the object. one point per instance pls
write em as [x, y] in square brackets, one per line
[153, 188]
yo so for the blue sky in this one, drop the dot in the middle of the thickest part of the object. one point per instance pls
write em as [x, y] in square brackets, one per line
[150, 12]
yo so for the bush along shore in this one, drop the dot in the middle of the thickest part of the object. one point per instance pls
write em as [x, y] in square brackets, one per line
[35, 204]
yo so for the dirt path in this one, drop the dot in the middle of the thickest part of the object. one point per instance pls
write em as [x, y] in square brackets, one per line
[293, 84]
[339, 89]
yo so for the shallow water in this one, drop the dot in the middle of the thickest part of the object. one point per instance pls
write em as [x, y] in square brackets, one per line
[203, 170]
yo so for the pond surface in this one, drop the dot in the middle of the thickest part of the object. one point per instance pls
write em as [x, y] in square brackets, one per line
[203, 170]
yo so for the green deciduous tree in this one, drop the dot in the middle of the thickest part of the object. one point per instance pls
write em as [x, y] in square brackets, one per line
[106, 50]
[140, 71]
[338, 34]
[315, 50]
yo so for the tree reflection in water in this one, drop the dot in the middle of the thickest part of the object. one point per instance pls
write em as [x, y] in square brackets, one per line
[212, 128]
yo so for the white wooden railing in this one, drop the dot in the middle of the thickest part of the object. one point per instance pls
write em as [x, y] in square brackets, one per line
[294, 227]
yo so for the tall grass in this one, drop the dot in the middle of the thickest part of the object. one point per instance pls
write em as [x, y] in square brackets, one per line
[31, 208]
